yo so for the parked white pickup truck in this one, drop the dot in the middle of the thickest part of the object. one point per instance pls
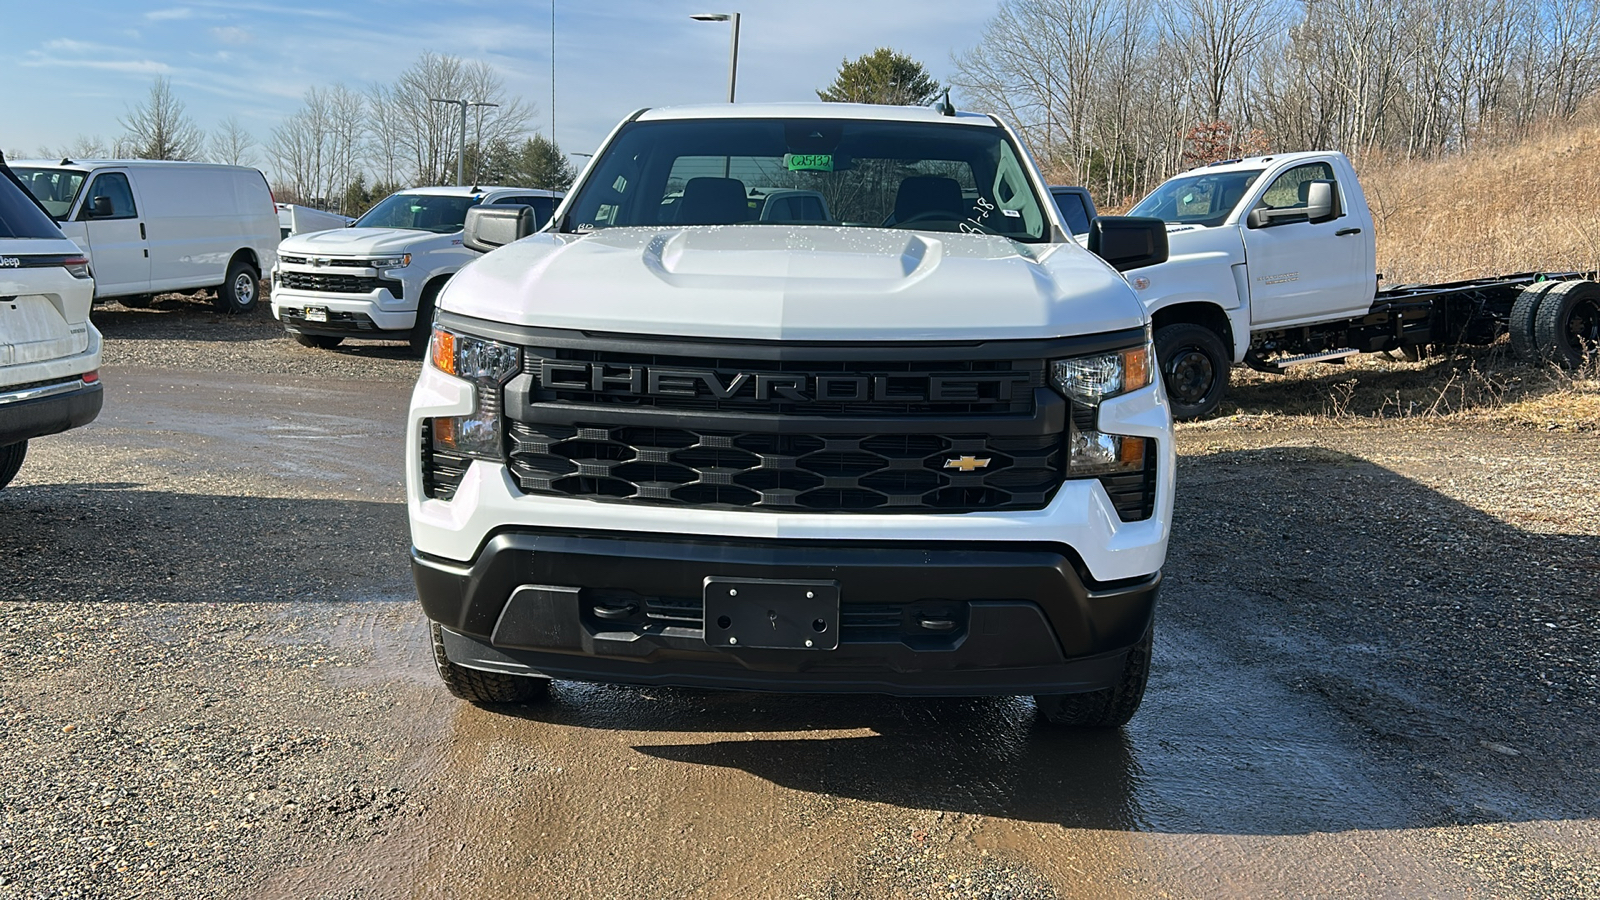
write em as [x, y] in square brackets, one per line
[379, 277]
[1272, 263]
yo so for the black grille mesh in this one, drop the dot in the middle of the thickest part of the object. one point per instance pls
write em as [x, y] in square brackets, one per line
[802, 473]
[332, 283]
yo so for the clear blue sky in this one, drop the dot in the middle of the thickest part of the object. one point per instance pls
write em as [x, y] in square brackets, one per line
[75, 68]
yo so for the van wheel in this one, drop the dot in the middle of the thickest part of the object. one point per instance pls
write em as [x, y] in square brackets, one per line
[11, 456]
[422, 328]
[1110, 707]
[1567, 325]
[1194, 366]
[239, 292]
[319, 341]
[1523, 342]
[477, 686]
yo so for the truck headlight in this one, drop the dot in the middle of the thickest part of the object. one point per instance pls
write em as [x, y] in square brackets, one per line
[391, 262]
[1088, 380]
[487, 365]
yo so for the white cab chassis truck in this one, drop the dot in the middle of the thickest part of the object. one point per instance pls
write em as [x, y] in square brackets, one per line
[1272, 263]
[378, 278]
[906, 440]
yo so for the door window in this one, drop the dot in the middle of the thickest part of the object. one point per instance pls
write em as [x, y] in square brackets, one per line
[1291, 189]
[1073, 210]
[114, 187]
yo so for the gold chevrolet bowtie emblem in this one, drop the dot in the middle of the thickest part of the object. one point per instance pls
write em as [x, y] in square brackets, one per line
[967, 463]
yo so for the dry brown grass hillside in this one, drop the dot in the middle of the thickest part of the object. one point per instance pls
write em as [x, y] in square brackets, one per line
[1530, 205]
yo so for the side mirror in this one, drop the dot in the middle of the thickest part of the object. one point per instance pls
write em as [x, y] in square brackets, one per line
[1128, 242]
[491, 227]
[1319, 208]
[100, 207]
[1319, 201]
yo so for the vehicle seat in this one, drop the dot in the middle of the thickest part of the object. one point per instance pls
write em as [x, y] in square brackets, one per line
[713, 201]
[920, 194]
[427, 217]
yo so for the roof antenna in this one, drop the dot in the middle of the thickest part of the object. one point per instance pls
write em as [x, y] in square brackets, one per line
[65, 161]
[943, 104]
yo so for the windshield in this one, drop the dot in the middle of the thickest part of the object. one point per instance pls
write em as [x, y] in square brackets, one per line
[861, 173]
[19, 218]
[438, 213]
[1203, 199]
[55, 188]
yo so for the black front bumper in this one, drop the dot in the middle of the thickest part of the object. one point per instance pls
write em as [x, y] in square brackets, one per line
[915, 619]
[24, 419]
[339, 324]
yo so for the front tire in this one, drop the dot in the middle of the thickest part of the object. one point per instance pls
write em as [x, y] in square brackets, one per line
[11, 457]
[319, 341]
[475, 686]
[422, 328]
[1110, 707]
[240, 290]
[1194, 366]
[1567, 326]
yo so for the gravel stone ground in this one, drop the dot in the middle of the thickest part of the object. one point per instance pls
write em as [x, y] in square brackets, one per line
[1375, 675]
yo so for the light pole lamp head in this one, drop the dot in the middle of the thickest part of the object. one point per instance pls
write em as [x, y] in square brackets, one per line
[710, 17]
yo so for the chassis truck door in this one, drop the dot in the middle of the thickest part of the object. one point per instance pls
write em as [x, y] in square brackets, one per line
[1304, 271]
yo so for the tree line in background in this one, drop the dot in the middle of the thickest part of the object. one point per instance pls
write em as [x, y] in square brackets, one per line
[1119, 96]
[345, 149]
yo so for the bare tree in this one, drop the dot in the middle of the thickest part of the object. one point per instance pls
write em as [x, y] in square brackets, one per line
[429, 133]
[232, 145]
[85, 147]
[160, 129]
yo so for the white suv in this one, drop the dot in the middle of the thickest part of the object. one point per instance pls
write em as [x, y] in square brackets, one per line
[49, 351]
[379, 277]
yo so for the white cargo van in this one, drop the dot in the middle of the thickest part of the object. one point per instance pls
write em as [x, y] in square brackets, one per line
[152, 226]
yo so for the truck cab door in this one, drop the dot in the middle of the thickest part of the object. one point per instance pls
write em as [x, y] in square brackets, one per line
[119, 254]
[1303, 270]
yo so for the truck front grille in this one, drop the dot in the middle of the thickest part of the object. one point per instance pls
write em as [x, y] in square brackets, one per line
[331, 283]
[787, 472]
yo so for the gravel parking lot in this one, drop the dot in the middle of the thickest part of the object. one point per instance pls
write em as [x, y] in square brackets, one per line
[1377, 673]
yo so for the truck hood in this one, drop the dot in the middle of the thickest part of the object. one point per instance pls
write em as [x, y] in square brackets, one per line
[796, 283]
[365, 241]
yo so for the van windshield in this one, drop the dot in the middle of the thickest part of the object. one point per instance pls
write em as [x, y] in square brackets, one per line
[1202, 199]
[860, 173]
[55, 188]
[439, 213]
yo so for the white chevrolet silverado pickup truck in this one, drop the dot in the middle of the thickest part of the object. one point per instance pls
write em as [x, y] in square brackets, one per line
[1272, 263]
[906, 440]
[378, 277]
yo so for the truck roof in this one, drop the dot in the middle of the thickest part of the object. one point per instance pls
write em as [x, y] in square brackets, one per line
[813, 110]
[1259, 162]
[456, 190]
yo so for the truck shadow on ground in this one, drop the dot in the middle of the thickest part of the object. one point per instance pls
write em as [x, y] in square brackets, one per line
[1335, 651]
[178, 317]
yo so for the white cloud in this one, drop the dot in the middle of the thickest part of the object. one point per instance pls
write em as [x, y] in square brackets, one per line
[233, 34]
[135, 66]
[176, 12]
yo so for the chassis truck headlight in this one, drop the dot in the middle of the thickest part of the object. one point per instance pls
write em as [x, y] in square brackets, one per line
[1088, 380]
[488, 365]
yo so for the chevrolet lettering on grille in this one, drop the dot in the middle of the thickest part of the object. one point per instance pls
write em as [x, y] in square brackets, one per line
[659, 381]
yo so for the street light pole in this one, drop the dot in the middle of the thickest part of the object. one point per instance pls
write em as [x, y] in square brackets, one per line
[733, 52]
[461, 158]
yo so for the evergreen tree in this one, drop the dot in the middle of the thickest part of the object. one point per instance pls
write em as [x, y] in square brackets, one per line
[882, 76]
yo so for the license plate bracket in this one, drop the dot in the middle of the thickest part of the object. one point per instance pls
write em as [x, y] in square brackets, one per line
[771, 614]
[316, 314]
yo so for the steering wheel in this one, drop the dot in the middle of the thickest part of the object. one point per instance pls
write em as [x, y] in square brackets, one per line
[928, 214]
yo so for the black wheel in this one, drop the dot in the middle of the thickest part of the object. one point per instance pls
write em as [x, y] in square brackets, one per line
[1194, 365]
[477, 686]
[11, 457]
[1108, 708]
[422, 329]
[137, 301]
[1523, 342]
[320, 341]
[239, 292]
[1567, 325]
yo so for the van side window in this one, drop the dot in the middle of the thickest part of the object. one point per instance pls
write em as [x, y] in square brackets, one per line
[114, 187]
[1289, 190]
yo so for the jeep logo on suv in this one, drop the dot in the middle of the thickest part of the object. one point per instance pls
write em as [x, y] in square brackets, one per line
[795, 387]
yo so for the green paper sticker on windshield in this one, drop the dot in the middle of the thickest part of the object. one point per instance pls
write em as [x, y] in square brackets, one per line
[810, 162]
